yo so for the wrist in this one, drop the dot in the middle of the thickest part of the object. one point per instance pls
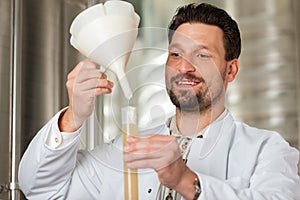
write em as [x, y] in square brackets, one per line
[186, 187]
[66, 122]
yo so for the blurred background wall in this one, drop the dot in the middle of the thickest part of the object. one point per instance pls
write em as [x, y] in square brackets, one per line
[35, 57]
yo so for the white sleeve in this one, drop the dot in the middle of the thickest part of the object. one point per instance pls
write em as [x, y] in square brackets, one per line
[46, 172]
[56, 139]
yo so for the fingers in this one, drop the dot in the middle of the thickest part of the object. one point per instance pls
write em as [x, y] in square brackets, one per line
[156, 151]
[84, 83]
[148, 143]
[93, 84]
[87, 77]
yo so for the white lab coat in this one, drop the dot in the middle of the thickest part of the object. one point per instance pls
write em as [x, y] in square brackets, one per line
[233, 161]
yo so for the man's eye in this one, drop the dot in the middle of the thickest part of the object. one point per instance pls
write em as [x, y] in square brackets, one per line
[203, 55]
[175, 54]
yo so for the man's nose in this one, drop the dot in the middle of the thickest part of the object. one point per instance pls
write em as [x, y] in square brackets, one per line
[186, 66]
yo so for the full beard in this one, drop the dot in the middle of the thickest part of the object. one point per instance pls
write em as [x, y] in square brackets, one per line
[190, 101]
[194, 101]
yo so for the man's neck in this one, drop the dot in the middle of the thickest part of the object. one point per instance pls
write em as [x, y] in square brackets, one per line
[189, 123]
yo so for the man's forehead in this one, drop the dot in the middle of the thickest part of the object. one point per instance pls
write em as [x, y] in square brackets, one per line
[181, 40]
[196, 31]
[198, 36]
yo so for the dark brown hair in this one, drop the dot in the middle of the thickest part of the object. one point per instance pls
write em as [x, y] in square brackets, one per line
[211, 15]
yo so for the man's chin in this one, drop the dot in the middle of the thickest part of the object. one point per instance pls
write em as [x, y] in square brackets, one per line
[188, 109]
[187, 106]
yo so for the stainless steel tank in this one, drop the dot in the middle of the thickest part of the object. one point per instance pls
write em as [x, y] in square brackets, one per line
[5, 51]
[35, 59]
[266, 91]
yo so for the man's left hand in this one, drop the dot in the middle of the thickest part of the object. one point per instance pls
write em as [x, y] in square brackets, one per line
[161, 153]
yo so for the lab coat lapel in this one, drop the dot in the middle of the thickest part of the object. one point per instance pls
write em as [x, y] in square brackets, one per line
[210, 155]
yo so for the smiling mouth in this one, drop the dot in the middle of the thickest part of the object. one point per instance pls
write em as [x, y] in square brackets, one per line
[187, 83]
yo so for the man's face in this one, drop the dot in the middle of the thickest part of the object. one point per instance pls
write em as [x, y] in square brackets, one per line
[196, 67]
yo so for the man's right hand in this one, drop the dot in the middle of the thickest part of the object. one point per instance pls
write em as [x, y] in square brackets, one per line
[84, 83]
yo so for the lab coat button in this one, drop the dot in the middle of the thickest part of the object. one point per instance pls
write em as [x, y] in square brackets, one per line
[57, 140]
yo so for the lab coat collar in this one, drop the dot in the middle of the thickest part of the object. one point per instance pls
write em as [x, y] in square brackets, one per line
[172, 125]
[210, 155]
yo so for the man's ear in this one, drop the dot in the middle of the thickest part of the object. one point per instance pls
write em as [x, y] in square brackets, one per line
[232, 69]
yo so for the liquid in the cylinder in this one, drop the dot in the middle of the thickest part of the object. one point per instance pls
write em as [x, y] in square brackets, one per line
[130, 175]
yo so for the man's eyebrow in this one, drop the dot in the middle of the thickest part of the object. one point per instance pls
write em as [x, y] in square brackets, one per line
[196, 47]
[174, 45]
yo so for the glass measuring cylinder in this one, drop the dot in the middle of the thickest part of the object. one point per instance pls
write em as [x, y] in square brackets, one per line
[129, 128]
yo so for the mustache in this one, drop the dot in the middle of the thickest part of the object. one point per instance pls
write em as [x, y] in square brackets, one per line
[187, 76]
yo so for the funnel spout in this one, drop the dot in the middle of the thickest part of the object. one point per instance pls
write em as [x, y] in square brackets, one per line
[123, 81]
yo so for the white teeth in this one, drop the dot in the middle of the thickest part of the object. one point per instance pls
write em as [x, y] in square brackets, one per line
[186, 83]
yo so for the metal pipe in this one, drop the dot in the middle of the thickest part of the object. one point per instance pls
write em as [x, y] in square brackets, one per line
[93, 137]
[14, 97]
[296, 6]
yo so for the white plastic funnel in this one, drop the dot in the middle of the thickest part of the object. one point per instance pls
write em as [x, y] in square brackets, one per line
[106, 34]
